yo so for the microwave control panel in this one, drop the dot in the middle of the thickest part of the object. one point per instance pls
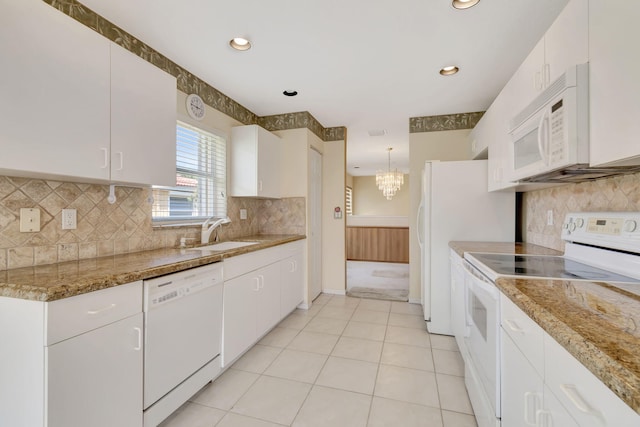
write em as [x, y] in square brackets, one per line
[556, 147]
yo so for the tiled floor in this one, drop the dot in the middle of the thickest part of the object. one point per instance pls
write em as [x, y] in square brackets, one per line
[345, 362]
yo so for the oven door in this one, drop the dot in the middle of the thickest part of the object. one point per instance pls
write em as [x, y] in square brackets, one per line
[484, 338]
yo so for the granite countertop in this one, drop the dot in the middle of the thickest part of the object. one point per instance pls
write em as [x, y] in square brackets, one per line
[501, 248]
[56, 281]
[596, 322]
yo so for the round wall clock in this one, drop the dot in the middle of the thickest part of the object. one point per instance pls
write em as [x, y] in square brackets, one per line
[195, 107]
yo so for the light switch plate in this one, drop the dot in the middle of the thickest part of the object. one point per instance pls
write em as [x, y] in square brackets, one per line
[29, 220]
[243, 214]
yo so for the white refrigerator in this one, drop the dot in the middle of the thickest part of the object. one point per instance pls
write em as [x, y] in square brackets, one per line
[455, 205]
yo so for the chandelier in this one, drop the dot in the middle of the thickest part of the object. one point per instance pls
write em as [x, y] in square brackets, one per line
[389, 182]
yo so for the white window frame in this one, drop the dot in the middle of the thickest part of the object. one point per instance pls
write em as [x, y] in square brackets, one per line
[219, 188]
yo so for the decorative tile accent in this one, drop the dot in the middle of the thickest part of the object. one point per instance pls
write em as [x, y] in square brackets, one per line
[620, 193]
[104, 229]
[444, 122]
[189, 83]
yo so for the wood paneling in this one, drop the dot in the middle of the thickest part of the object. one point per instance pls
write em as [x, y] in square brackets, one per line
[385, 244]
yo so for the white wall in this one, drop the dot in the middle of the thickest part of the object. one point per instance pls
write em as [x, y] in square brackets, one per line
[445, 146]
[368, 199]
[333, 230]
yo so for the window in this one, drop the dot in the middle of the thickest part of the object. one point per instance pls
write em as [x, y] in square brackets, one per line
[349, 200]
[201, 178]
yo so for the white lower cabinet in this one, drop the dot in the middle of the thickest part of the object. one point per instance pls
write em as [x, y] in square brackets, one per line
[73, 362]
[556, 391]
[292, 291]
[256, 287]
[95, 379]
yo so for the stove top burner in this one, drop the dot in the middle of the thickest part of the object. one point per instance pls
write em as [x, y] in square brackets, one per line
[553, 267]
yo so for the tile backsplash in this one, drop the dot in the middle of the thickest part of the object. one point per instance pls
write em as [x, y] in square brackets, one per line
[106, 229]
[621, 193]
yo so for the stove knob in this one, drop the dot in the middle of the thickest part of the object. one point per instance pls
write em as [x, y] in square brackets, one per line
[630, 226]
[572, 227]
[580, 222]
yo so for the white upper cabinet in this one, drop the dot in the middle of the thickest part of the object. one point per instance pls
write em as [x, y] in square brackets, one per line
[614, 90]
[143, 121]
[54, 107]
[256, 166]
[76, 106]
[564, 44]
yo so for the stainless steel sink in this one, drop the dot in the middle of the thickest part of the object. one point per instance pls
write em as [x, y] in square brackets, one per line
[223, 246]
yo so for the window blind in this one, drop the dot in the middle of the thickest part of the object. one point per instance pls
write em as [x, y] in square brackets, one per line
[348, 201]
[201, 174]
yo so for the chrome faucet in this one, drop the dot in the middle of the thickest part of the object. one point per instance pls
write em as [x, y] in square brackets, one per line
[210, 225]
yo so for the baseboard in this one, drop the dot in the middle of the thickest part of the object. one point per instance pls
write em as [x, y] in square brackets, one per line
[414, 301]
[334, 291]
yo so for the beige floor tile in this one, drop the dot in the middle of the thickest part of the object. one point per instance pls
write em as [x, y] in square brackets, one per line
[368, 331]
[343, 313]
[314, 342]
[322, 299]
[324, 325]
[297, 366]
[193, 415]
[408, 336]
[386, 413]
[407, 356]
[257, 359]
[407, 385]
[226, 390]
[358, 348]
[448, 362]
[338, 301]
[347, 374]
[311, 311]
[273, 399]
[453, 394]
[329, 407]
[279, 337]
[370, 316]
[443, 342]
[375, 305]
[407, 321]
[235, 420]
[406, 308]
[295, 321]
[456, 419]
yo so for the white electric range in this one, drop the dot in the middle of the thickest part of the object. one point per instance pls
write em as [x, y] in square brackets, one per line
[599, 247]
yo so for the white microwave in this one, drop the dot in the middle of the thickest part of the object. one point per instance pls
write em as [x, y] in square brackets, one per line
[551, 134]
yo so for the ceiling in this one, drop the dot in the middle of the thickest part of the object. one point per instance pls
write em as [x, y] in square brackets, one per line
[364, 64]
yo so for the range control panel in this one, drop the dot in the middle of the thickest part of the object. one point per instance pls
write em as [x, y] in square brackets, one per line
[614, 230]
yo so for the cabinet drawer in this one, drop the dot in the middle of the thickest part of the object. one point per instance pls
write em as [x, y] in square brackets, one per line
[524, 331]
[586, 398]
[69, 317]
[242, 264]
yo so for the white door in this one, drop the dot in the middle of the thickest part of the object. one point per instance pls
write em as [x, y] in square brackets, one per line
[315, 225]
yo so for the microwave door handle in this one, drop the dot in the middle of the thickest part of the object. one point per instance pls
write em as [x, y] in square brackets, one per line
[543, 137]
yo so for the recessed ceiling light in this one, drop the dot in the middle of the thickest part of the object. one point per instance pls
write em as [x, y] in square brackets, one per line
[449, 70]
[240, 43]
[290, 92]
[464, 4]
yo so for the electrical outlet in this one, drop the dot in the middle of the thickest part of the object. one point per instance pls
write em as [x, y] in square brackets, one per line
[550, 217]
[29, 220]
[69, 219]
[243, 214]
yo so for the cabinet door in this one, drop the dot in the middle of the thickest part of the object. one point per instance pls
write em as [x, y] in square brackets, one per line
[143, 121]
[522, 387]
[54, 107]
[239, 316]
[566, 43]
[269, 164]
[554, 414]
[613, 73]
[586, 398]
[528, 79]
[95, 379]
[292, 292]
[268, 311]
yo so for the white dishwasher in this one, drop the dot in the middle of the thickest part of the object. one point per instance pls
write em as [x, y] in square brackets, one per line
[183, 337]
